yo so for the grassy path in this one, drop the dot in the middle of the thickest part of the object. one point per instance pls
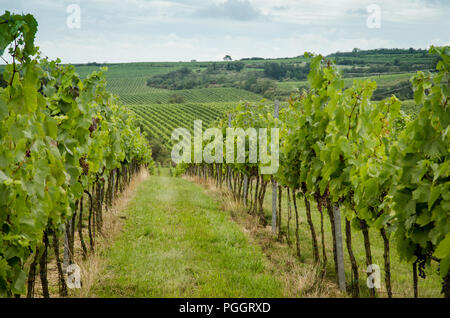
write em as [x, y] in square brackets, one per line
[176, 242]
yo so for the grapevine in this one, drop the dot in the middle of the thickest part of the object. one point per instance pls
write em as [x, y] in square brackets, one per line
[61, 137]
[341, 149]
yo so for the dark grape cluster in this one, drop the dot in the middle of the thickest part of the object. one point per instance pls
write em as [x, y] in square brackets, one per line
[84, 164]
[93, 127]
[421, 262]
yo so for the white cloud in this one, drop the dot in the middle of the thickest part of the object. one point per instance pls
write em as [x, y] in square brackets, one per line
[239, 10]
[161, 30]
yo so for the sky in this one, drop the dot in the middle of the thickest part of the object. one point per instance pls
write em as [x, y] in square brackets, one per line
[116, 31]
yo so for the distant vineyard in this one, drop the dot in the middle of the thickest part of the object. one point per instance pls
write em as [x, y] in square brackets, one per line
[158, 116]
[135, 91]
[128, 70]
[129, 86]
[204, 95]
[158, 121]
[382, 81]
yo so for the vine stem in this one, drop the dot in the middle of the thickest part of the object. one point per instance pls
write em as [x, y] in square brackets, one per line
[387, 264]
[43, 268]
[62, 282]
[32, 274]
[355, 274]
[297, 238]
[415, 280]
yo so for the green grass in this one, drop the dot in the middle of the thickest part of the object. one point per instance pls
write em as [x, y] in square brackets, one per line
[164, 172]
[176, 242]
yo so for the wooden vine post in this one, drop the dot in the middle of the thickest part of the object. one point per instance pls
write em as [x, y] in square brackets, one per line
[245, 189]
[339, 247]
[274, 183]
[229, 167]
[245, 192]
[66, 259]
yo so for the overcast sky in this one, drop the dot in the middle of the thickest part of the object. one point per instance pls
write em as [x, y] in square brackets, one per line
[181, 30]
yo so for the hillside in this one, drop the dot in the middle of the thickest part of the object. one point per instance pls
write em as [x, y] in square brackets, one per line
[167, 95]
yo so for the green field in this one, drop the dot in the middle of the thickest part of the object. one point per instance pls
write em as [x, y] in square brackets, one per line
[128, 70]
[201, 95]
[385, 56]
[382, 80]
[177, 242]
[159, 110]
[159, 120]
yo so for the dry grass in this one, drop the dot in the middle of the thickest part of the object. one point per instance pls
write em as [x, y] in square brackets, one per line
[112, 224]
[300, 278]
[93, 265]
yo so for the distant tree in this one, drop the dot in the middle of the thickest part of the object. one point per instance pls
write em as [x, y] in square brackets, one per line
[211, 68]
[185, 70]
[235, 66]
[159, 151]
[239, 66]
[255, 58]
[176, 99]
[227, 58]
[280, 71]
